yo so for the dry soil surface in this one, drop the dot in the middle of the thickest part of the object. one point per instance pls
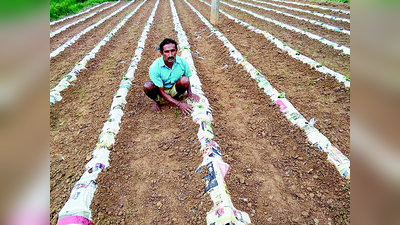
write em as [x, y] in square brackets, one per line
[275, 175]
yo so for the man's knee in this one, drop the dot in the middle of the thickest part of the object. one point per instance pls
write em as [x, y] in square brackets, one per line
[184, 82]
[148, 86]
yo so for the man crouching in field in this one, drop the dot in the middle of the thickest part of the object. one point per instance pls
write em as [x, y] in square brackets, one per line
[169, 76]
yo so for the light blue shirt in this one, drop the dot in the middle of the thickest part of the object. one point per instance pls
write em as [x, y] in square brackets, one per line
[163, 76]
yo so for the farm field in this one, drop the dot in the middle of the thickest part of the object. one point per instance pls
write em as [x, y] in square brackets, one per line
[276, 175]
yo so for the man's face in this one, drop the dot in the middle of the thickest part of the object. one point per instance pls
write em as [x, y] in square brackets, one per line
[169, 53]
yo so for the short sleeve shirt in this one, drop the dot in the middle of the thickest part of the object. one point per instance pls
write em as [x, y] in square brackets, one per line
[163, 76]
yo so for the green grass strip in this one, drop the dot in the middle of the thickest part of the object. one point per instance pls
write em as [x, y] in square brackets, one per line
[61, 8]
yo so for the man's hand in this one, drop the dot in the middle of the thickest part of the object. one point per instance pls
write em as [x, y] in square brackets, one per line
[185, 108]
[193, 97]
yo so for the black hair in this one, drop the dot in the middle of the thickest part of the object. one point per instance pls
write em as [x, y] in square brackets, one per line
[167, 41]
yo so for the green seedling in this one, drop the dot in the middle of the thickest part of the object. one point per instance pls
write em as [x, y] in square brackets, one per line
[137, 174]
[83, 93]
[177, 113]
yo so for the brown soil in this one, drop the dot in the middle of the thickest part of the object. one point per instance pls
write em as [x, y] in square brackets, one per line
[275, 175]
[62, 37]
[337, 37]
[328, 3]
[329, 12]
[295, 79]
[342, 24]
[71, 20]
[325, 54]
[64, 62]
